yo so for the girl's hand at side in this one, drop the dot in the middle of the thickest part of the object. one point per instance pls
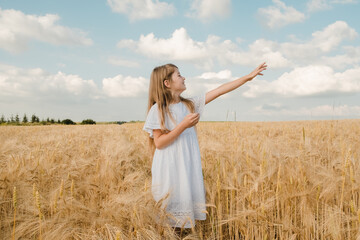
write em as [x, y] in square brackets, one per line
[257, 71]
[191, 120]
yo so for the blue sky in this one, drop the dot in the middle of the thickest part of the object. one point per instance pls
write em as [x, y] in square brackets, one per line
[93, 59]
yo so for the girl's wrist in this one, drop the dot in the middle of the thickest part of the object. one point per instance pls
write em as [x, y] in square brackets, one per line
[183, 125]
[248, 78]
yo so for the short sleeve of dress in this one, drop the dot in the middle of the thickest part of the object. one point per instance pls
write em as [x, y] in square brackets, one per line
[152, 120]
[199, 103]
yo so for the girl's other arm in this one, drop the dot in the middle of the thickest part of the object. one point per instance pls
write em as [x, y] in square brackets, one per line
[230, 86]
[162, 140]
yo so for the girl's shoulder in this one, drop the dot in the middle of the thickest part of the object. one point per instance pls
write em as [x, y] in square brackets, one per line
[154, 110]
[154, 107]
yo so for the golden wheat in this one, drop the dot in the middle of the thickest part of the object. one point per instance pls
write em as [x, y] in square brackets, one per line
[263, 180]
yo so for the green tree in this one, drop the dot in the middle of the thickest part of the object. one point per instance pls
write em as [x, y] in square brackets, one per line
[88, 121]
[33, 118]
[17, 119]
[68, 122]
[25, 119]
[2, 119]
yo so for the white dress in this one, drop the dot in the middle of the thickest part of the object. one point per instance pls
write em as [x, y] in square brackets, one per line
[176, 169]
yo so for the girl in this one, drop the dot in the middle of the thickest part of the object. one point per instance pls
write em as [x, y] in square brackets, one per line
[177, 177]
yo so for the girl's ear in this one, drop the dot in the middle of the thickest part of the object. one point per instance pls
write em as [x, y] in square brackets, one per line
[167, 83]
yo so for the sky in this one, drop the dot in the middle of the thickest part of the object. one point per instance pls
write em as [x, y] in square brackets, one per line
[93, 59]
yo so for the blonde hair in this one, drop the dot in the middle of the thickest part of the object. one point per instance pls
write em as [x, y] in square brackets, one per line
[160, 94]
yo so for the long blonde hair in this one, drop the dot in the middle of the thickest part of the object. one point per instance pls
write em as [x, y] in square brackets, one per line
[160, 94]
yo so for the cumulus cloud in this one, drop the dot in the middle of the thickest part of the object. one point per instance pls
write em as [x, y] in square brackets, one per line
[259, 51]
[206, 10]
[342, 61]
[36, 82]
[279, 15]
[121, 86]
[122, 62]
[17, 29]
[344, 1]
[142, 9]
[321, 5]
[332, 35]
[317, 111]
[224, 74]
[212, 80]
[317, 5]
[180, 46]
[322, 42]
[308, 81]
[207, 81]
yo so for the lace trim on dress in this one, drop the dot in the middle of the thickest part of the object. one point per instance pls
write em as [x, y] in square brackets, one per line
[186, 209]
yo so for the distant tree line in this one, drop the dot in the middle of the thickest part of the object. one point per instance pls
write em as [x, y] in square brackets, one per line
[35, 120]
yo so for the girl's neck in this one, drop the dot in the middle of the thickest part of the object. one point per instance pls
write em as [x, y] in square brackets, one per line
[176, 98]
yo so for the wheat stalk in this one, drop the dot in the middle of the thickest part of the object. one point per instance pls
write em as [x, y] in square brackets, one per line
[62, 188]
[14, 205]
[38, 205]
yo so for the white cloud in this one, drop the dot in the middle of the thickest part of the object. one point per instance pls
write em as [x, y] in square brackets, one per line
[321, 5]
[344, 1]
[279, 15]
[322, 42]
[318, 111]
[18, 82]
[207, 81]
[317, 5]
[142, 9]
[122, 62]
[36, 83]
[332, 35]
[121, 86]
[17, 29]
[224, 74]
[259, 51]
[343, 61]
[212, 80]
[180, 46]
[307, 81]
[206, 10]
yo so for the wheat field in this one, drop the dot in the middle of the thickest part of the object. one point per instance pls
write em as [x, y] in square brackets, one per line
[263, 180]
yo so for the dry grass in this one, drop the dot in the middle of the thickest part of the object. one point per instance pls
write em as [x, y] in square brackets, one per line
[283, 180]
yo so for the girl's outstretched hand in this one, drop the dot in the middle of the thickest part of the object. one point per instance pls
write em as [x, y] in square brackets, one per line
[191, 120]
[257, 71]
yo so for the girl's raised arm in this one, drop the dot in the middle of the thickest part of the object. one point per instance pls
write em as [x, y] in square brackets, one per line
[230, 86]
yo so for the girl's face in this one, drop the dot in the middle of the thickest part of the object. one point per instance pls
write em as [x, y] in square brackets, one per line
[178, 82]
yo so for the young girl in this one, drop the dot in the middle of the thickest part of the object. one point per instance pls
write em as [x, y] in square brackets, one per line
[177, 177]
